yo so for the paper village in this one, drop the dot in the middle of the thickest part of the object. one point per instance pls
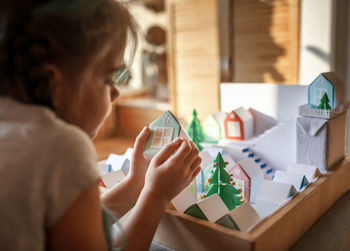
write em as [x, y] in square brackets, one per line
[247, 168]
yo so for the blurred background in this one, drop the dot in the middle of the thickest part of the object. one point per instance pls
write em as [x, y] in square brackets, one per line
[188, 47]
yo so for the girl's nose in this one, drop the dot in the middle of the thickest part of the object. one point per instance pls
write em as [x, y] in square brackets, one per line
[114, 93]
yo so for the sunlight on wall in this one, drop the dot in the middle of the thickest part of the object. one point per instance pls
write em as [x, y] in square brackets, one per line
[278, 101]
[315, 39]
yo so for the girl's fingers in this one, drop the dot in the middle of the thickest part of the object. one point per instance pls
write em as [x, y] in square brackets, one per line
[196, 170]
[167, 151]
[183, 152]
[196, 163]
[193, 155]
[141, 140]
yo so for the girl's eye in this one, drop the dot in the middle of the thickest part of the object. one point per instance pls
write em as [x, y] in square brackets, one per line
[110, 82]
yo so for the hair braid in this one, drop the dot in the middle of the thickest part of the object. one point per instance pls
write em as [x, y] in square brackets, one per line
[25, 51]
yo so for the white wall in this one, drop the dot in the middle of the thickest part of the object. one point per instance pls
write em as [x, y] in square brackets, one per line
[315, 39]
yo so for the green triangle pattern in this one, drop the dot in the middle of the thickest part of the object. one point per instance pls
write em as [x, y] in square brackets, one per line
[195, 211]
[227, 221]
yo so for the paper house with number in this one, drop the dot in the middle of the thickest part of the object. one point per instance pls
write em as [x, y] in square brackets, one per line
[310, 172]
[298, 180]
[247, 177]
[210, 209]
[271, 196]
[241, 218]
[329, 83]
[239, 124]
[164, 130]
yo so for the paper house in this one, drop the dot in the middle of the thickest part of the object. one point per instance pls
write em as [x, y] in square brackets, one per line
[247, 178]
[242, 218]
[164, 130]
[213, 127]
[210, 209]
[118, 162]
[111, 179]
[310, 172]
[271, 195]
[320, 142]
[104, 168]
[326, 83]
[298, 180]
[239, 124]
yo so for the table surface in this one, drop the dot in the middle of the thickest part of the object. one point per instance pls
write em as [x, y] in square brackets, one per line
[331, 231]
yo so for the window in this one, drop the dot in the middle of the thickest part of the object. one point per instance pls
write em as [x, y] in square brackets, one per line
[318, 93]
[234, 129]
[162, 136]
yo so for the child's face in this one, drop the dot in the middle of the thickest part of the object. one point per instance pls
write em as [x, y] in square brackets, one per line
[85, 99]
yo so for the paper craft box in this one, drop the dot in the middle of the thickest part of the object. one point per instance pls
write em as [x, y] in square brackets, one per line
[280, 231]
[320, 142]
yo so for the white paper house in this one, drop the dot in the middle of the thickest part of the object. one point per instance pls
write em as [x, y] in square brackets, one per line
[241, 218]
[310, 172]
[271, 195]
[239, 124]
[118, 162]
[298, 180]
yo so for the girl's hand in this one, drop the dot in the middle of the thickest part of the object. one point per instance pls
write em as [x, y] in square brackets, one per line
[139, 162]
[172, 169]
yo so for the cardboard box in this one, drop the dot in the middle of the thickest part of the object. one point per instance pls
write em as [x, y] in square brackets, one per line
[320, 142]
[183, 232]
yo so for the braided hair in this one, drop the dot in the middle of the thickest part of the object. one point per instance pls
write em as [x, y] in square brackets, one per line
[67, 33]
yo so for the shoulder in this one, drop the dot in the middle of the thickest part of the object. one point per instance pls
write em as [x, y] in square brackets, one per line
[71, 139]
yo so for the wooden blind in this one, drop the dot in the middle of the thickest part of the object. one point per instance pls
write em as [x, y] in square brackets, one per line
[193, 57]
[266, 41]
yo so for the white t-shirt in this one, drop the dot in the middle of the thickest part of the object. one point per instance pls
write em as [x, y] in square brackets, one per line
[45, 164]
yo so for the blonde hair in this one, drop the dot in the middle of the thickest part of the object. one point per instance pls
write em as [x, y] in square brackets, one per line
[64, 32]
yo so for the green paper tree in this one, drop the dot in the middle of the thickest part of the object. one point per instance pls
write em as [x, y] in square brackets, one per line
[220, 183]
[324, 102]
[195, 130]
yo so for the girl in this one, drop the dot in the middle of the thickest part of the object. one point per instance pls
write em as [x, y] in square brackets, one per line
[57, 63]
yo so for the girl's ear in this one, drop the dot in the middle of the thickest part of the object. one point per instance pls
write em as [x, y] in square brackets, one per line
[55, 78]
